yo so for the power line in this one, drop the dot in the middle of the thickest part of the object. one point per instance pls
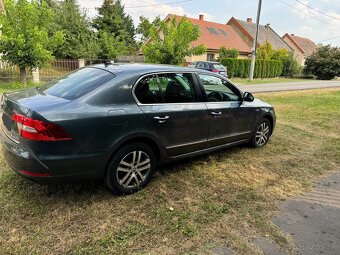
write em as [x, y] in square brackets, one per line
[324, 21]
[329, 39]
[314, 9]
[147, 5]
[150, 5]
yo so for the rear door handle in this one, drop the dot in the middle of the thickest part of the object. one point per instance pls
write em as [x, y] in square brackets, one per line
[161, 119]
[216, 113]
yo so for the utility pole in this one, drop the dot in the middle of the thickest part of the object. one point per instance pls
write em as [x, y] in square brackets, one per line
[253, 57]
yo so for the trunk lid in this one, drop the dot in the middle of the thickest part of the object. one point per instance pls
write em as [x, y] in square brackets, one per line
[22, 102]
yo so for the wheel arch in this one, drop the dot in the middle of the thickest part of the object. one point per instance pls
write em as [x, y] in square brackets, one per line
[271, 120]
[142, 138]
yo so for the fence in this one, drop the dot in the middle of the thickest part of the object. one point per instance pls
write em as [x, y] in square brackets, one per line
[10, 72]
[56, 68]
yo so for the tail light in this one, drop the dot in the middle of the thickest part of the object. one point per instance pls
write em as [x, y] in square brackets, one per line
[215, 71]
[39, 130]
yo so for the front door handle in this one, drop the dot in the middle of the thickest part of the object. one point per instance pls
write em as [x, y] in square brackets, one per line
[161, 119]
[216, 113]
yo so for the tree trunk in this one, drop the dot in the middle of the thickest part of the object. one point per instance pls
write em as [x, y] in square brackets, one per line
[23, 77]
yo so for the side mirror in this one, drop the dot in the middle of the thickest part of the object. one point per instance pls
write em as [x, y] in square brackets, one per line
[248, 97]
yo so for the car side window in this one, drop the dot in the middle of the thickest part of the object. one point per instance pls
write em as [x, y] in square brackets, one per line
[177, 87]
[200, 65]
[147, 90]
[218, 90]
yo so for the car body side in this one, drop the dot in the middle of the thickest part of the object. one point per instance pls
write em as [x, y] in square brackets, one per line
[100, 123]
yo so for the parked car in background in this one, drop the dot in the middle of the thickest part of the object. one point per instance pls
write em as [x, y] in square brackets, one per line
[211, 66]
[118, 122]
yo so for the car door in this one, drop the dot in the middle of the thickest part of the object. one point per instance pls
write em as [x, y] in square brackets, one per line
[230, 119]
[170, 103]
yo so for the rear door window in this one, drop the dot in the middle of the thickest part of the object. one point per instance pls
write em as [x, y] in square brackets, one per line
[148, 91]
[166, 88]
[78, 83]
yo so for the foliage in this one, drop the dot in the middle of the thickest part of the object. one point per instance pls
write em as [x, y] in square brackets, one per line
[110, 47]
[24, 39]
[265, 51]
[324, 63]
[145, 25]
[114, 26]
[80, 41]
[171, 42]
[291, 66]
[280, 54]
[228, 53]
[263, 68]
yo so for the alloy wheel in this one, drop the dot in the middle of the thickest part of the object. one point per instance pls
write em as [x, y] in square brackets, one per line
[133, 169]
[262, 134]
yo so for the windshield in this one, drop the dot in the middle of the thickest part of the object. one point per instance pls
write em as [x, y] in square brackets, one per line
[78, 83]
[218, 66]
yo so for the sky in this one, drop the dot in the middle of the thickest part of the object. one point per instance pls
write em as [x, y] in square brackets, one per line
[284, 16]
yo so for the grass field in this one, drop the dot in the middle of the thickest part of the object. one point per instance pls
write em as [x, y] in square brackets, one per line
[269, 80]
[225, 198]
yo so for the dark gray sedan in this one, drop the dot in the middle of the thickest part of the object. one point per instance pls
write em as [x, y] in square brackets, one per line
[118, 122]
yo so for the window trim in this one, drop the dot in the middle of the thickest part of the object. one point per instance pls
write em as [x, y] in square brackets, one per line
[204, 94]
[197, 88]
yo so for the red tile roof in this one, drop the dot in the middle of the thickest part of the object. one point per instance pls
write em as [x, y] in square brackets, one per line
[307, 46]
[214, 35]
[248, 28]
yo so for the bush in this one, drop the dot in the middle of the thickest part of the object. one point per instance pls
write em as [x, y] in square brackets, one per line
[291, 66]
[263, 69]
[228, 53]
[324, 63]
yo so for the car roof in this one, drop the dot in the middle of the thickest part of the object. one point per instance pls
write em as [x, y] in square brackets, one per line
[210, 62]
[117, 68]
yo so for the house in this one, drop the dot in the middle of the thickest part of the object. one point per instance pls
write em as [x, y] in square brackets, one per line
[214, 36]
[303, 47]
[247, 30]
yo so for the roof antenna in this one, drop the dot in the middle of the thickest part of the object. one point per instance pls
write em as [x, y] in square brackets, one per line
[108, 62]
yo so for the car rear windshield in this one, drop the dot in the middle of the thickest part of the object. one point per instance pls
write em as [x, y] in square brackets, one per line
[78, 83]
[218, 66]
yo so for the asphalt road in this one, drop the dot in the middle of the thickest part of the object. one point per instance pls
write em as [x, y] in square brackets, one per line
[286, 86]
[312, 220]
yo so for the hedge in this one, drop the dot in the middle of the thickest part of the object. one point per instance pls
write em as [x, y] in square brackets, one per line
[263, 68]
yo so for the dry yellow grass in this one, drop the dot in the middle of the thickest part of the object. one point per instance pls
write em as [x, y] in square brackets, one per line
[226, 198]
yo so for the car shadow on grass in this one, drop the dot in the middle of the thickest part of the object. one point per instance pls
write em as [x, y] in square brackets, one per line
[30, 193]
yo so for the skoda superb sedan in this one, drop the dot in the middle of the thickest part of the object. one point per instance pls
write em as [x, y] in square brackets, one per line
[119, 122]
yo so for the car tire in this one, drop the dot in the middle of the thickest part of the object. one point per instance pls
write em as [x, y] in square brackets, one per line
[130, 169]
[261, 134]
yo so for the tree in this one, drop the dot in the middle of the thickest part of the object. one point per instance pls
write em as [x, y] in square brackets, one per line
[80, 40]
[171, 42]
[110, 47]
[290, 66]
[228, 53]
[117, 24]
[324, 63]
[280, 54]
[24, 39]
[265, 51]
[145, 25]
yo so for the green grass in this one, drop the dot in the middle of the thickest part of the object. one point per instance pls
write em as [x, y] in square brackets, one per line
[225, 198]
[270, 80]
[10, 86]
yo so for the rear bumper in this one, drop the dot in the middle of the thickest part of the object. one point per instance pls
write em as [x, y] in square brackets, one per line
[53, 169]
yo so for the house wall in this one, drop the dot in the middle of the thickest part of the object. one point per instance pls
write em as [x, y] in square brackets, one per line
[204, 57]
[299, 56]
[241, 34]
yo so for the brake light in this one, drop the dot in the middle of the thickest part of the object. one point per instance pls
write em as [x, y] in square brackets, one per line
[215, 71]
[34, 174]
[39, 130]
